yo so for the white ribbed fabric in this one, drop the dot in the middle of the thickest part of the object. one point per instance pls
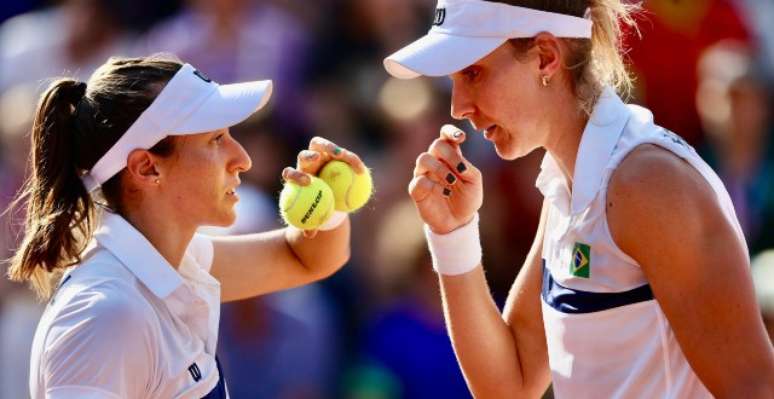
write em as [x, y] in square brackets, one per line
[607, 337]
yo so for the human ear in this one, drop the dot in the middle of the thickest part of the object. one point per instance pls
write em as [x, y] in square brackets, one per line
[549, 51]
[142, 168]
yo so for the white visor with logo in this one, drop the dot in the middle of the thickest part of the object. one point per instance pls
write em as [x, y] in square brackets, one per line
[189, 103]
[464, 31]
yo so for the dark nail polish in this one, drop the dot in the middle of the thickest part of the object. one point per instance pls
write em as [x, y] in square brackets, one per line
[461, 167]
[450, 178]
[446, 192]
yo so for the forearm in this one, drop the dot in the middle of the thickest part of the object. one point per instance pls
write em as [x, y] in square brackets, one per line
[257, 264]
[483, 343]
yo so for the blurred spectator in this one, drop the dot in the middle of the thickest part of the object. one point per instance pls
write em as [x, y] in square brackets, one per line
[71, 39]
[735, 103]
[405, 342]
[238, 40]
[760, 14]
[664, 59]
[19, 310]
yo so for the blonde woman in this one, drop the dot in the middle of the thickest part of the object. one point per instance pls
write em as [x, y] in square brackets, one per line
[124, 169]
[638, 282]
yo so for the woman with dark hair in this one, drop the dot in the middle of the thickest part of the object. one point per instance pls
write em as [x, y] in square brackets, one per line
[124, 170]
[638, 283]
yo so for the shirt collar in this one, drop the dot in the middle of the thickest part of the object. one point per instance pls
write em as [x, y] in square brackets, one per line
[138, 255]
[599, 139]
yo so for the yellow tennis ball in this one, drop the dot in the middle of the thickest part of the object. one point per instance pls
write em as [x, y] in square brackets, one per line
[306, 207]
[351, 190]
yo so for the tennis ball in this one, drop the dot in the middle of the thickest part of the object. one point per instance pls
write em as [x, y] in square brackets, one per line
[351, 190]
[306, 207]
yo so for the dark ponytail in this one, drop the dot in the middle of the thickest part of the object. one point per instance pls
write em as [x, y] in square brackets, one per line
[59, 210]
[71, 130]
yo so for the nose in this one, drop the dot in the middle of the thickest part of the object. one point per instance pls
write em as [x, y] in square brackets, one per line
[241, 161]
[461, 102]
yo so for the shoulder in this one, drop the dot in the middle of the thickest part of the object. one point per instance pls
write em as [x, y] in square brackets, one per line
[653, 177]
[656, 196]
[98, 311]
[92, 324]
[98, 340]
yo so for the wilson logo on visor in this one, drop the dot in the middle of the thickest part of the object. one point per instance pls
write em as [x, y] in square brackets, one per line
[440, 16]
[202, 76]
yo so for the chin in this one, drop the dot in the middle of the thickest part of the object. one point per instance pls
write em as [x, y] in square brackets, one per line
[510, 153]
[224, 219]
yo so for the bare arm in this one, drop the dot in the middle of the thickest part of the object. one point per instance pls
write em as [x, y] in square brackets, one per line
[500, 356]
[256, 264]
[665, 215]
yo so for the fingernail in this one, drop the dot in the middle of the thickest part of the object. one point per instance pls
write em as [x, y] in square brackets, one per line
[450, 178]
[461, 167]
[310, 156]
[457, 134]
[337, 151]
[446, 192]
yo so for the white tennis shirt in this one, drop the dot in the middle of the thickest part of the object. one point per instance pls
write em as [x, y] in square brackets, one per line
[607, 336]
[125, 324]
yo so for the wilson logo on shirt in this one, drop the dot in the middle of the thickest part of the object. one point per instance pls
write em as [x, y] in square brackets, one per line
[581, 260]
[196, 374]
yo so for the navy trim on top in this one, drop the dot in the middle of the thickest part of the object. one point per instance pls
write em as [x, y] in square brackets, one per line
[219, 392]
[568, 300]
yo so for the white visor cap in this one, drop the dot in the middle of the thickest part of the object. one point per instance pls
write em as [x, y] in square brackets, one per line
[464, 31]
[189, 103]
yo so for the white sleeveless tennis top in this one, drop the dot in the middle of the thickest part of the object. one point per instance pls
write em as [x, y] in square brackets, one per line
[607, 336]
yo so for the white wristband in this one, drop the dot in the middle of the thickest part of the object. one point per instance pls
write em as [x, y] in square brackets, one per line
[334, 221]
[457, 252]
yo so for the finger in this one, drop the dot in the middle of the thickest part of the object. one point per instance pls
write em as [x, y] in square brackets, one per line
[421, 187]
[309, 161]
[330, 150]
[310, 233]
[295, 176]
[451, 156]
[453, 134]
[438, 171]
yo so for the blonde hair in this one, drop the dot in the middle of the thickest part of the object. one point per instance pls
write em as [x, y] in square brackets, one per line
[599, 62]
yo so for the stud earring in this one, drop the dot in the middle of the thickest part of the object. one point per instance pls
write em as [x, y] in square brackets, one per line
[545, 80]
[157, 181]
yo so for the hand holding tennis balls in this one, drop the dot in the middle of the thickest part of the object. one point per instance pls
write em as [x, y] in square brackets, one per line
[305, 203]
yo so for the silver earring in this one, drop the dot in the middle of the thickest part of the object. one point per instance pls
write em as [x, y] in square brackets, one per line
[545, 80]
[157, 181]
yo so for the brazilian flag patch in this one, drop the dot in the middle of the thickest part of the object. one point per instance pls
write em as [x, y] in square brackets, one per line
[580, 266]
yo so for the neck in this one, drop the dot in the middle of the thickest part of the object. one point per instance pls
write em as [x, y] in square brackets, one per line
[166, 234]
[565, 129]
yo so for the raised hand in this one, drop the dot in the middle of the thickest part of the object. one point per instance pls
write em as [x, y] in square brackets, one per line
[447, 189]
[310, 161]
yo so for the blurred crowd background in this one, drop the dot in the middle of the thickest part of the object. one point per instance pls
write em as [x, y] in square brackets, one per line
[375, 329]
